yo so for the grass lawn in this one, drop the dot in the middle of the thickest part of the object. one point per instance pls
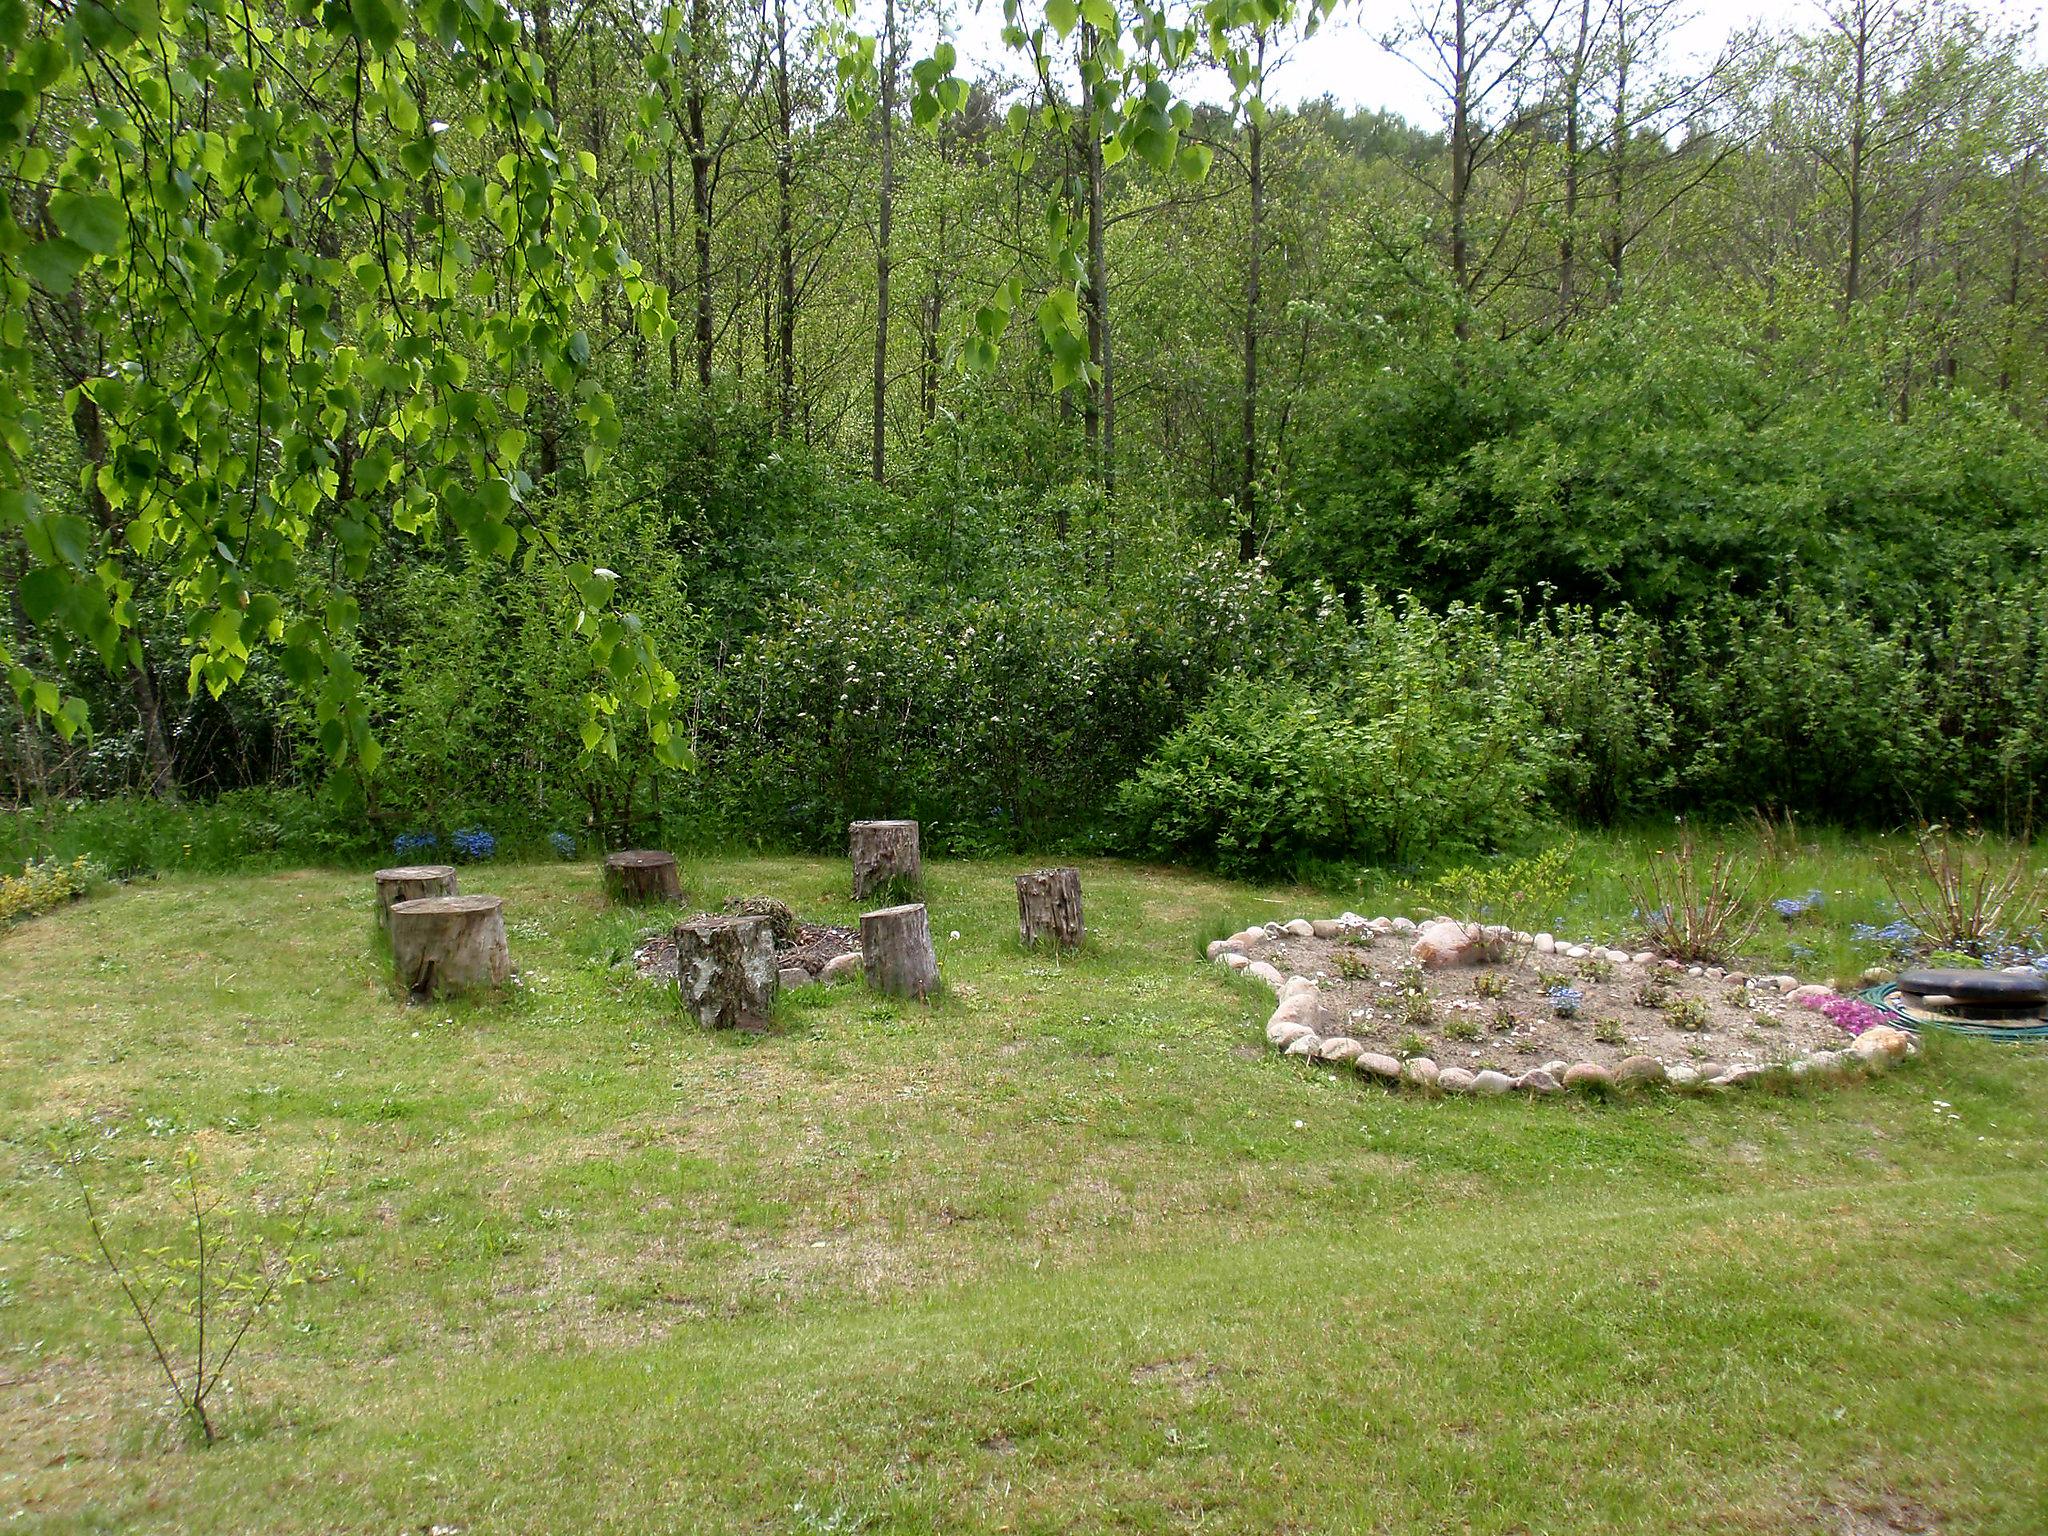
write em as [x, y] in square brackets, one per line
[1069, 1251]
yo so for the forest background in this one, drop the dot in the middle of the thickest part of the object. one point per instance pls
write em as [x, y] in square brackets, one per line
[1068, 447]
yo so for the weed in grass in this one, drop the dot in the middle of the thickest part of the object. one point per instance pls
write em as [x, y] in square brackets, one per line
[1596, 969]
[1505, 1020]
[1460, 1028]
[1607, 1032]
[1412, 1044]
[1490, 985]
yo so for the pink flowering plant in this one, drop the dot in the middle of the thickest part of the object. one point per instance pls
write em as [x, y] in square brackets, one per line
[1849, 1014]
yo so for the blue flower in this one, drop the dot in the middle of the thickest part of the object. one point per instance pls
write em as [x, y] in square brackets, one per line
[474, 844]
[407, 843]
[563, 844]
[1564, 1001]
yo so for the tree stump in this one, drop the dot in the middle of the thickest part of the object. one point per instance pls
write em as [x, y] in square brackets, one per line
[642, 875]
[450, 943]
[1049, 907]
[896, 951]
[409, 882]
[725, 970]
[884, 858]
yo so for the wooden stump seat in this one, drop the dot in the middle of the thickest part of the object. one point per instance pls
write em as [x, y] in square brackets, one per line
[725, 971]
[885, 858]
[639, 876]
[445, 944]
[1049, 907]
[896, 951]
[409, 882]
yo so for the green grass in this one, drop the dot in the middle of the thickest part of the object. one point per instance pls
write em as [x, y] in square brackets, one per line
[1070, 1251]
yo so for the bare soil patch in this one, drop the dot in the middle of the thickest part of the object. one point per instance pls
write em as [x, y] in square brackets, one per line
[1502, 1014]
[654, 956]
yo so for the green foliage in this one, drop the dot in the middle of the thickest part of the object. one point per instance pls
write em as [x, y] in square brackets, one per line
[1527, 892]
[316, 319]
[44, 885]
[1422, 746]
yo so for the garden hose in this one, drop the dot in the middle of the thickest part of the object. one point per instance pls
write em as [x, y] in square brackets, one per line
[1883, 998]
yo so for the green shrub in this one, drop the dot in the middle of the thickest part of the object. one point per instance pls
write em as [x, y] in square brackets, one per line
[1421, 744]
[44, 885]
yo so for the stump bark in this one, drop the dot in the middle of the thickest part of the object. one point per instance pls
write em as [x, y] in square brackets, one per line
[884, 857]
[409, 882]
[450, 943]
[642, 875]
[725, 971]
[1049, 907]
[896, 951]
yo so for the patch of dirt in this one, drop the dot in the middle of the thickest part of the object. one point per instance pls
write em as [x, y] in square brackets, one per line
[1502, 1014]
[654, 956]
[1187, 1376]
[1887, 1517]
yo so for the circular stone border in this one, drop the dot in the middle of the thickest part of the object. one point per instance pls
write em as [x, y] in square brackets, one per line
[1291, 1029]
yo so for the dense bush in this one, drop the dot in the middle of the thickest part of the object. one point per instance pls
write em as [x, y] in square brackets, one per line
[1423, 743]
[1005, 722]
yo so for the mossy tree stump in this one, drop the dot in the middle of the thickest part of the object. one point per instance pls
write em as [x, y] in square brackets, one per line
[896, 951]
[641, 876]
[725, 971]
[445, 944]
[885, 858]
[409, 882]
[1049, 907]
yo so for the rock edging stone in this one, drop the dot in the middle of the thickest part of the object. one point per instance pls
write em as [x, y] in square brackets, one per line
[1442, 943]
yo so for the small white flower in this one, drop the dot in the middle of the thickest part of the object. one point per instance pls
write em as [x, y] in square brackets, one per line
[606, 572]
[954, 934]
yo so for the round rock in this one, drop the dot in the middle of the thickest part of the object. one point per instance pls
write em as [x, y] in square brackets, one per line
[1340, 1050]
[1587, 1074]
[1419, 1070]
[1378, 1064]
[1538, 1080]
[1305, 1046]
[1640, 1069]
[1455, 1080]
[1491, 1082]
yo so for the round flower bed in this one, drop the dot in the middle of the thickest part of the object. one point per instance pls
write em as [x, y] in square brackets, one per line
[1460, 1008]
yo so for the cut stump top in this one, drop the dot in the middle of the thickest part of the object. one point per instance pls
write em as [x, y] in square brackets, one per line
[639, 858]
[907, 907]
[2004, 988]
[417, 872]
[446, 906]
[882, 824]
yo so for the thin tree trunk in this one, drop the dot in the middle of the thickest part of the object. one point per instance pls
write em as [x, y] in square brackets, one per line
[1568, 241]
[2015, 268]
[700, 185]
[883, 235]
[785, 236]
[1255, 177]
[1461, 167]
[156, 742]
[1859, 138]
[1616, 239]
[1103, 394]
